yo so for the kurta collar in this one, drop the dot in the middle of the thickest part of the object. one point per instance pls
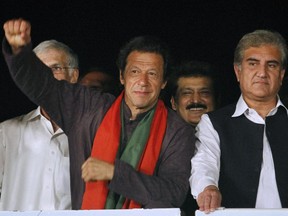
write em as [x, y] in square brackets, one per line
[242, 107]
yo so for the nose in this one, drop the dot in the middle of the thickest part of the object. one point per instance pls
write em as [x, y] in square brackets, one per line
[195, 97]
[262, 71]
[143, 79]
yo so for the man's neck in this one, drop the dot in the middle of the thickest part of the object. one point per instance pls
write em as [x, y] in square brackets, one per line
[54, 125]
[262, 107]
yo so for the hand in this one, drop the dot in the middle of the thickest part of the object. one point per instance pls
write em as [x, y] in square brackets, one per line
[17, 33]
[94, 169]
[210, 199]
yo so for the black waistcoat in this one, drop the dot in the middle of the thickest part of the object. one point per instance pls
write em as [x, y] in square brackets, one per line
[241, 144]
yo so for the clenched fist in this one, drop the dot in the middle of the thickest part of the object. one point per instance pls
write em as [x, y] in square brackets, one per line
[94, 169]
[17, 33]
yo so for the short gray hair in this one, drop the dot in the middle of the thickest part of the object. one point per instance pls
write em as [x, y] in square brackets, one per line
[258, 38]
[56, 45]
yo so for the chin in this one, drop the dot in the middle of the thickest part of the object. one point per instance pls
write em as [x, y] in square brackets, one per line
[194, 121]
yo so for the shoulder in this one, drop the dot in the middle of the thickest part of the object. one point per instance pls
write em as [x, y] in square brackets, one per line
[90, 102]
[175, 122]
[95, 95]
[179, 137]
[177, 129]
[223, 112]
[222, 118]
[18, 120]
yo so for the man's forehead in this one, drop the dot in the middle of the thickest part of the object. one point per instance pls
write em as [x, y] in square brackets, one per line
[195, 83]
[195, 80]
[53, 57]
[145, 60]
[271, 52]
[139, 55]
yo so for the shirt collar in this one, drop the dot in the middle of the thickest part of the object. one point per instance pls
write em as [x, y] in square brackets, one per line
[36, 113]
[33, 114]
[242, 107]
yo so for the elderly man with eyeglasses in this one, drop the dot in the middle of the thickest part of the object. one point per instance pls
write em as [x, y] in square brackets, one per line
[34, 153]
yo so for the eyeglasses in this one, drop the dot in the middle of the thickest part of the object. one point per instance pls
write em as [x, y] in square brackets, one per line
[59, 69]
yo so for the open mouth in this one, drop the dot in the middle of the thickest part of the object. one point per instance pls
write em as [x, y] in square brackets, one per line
[196, 109]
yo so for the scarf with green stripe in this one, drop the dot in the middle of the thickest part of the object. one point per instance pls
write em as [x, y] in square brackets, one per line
[141, 152]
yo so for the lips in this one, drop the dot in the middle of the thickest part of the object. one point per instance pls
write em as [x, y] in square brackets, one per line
[141, 93]
[260, 81]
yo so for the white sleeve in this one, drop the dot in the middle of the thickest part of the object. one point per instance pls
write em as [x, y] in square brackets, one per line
[206, 161]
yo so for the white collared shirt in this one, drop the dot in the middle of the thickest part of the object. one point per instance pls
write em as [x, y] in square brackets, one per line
[206, 162]
[34, 165]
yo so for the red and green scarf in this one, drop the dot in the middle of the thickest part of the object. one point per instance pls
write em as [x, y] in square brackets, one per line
[141, 152]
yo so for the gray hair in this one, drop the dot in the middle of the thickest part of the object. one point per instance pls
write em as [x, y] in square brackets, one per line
[56, 45]
[259, 38]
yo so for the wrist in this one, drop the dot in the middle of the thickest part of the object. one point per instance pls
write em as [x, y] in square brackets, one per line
[16, 50]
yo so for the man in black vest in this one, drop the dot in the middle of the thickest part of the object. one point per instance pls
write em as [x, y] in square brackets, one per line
[241, 159]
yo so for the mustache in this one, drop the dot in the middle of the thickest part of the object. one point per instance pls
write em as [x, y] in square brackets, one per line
[196, 105]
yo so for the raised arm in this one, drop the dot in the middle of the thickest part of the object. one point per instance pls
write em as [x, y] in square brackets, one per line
[33, 77]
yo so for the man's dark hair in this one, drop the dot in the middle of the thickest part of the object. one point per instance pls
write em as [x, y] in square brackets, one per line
[150, 44]
[193, 68]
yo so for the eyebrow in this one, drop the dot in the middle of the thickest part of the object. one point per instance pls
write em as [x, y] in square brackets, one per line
[252, 59]
[274, 61]
[193, 89]
[55, 64]
[257, 60]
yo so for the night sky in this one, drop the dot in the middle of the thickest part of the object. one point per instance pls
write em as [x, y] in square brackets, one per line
[95, 30]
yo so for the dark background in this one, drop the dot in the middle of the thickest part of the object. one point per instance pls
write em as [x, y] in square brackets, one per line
[95, 30]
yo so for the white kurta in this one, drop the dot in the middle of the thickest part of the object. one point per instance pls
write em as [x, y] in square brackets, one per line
[34, 165]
